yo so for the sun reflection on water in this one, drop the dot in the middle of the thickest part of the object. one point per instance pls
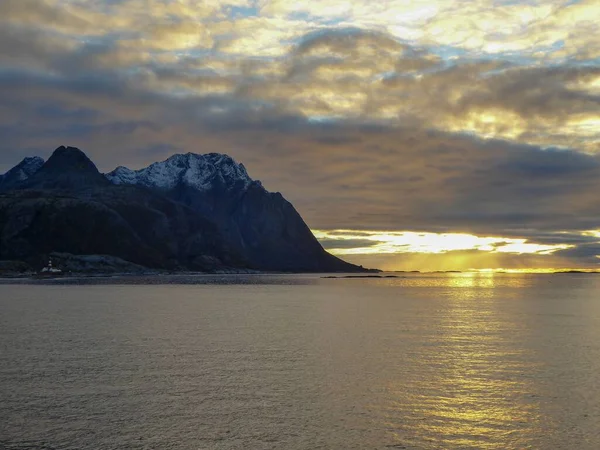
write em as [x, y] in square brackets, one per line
[472, 390]
[472, 280]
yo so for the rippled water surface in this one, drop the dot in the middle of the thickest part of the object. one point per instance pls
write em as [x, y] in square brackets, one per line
[301, 362]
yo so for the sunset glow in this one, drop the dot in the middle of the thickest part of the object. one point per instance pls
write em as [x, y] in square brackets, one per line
[411, 242]
[438, 251]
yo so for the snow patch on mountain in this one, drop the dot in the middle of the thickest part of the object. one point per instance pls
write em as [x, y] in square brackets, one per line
[22, 171]
[122, 175]
[201, 172]
[28, 167]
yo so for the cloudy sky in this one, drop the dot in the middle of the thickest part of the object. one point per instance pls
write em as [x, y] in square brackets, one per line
[410, 135]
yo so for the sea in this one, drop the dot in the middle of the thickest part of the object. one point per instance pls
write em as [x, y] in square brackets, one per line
[418, 361]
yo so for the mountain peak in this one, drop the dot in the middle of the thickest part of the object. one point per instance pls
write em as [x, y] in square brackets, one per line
[21, 172]
[201, 172]
[67, 168]
[70, 158]
[33, 161]
[27, 167]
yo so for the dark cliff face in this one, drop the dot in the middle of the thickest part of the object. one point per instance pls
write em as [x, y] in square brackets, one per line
[130, 223]
[67, 206]
[262, 226]
[274, 234]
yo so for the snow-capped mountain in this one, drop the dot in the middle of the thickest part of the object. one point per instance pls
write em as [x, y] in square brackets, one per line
[195, 212]
[261, 226]
[201, 172]
[21, 172]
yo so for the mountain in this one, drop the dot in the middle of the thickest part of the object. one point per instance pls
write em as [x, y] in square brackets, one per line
[67, 206]
[21, 172]
[69, 169]
[200, 172]
[190, 212]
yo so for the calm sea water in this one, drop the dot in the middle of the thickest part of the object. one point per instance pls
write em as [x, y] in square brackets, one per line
[300, 362]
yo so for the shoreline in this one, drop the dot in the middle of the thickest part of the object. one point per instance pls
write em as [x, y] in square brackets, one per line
[244, 277]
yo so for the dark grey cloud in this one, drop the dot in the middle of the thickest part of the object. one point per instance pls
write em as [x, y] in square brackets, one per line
[538, 92]
[347, 243]
[27, 47]
[42, 12]
[551, 238]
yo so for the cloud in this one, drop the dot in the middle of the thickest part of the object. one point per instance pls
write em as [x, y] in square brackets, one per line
[397, 242]
[350, 243]
[171, 36]
[348, 74]
[65, 17]
[22, 48]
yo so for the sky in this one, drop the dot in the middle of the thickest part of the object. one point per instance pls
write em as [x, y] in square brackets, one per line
[410, 135]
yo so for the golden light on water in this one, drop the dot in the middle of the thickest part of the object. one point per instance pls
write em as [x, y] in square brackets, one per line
[470, 365]
[477, 367]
